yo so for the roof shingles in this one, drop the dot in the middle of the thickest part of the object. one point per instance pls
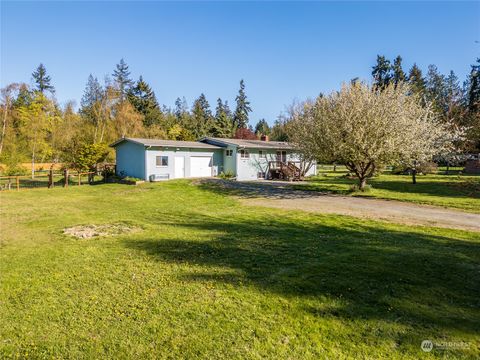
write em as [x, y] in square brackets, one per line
[251, 144]
[168, 143]
[209, 143]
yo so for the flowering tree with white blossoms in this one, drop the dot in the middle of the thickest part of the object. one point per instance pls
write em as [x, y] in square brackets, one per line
[366, 129]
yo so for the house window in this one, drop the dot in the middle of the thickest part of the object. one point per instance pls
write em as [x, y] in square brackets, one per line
[261, 175]
[244, 154]
[229, 152]
[162, 161]
[262, 154]
[282, 155]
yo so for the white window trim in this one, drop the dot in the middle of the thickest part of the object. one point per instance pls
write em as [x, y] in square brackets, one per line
[229, 151]
[242, 154]
[161, 166]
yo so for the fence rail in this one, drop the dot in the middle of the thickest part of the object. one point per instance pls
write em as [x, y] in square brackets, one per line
[51, 179]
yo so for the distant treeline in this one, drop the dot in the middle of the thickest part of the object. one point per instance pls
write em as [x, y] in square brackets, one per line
[36, 129]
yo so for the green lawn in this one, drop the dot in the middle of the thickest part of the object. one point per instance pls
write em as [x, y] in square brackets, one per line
[451, 191]
[208, 278]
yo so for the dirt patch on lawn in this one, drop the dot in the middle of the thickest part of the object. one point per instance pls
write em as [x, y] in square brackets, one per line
[91, 231]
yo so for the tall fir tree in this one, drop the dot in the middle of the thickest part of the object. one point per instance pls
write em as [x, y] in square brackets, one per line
[121, 77]
[472, 105]
[24, 97]
[181, 108]
[243, 108]
[92, 96]
[42, 80]
[262, 128]
[436, 90]
[143, 99]
[473, 90]
[416, 80]
[381, 72]
[398, 73]
[201, 123]
[223, 127]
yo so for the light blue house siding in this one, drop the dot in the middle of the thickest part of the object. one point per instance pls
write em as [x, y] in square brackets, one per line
[151, 159]
[256, 165]
[230, 162]
[130, 159]
[183, 155]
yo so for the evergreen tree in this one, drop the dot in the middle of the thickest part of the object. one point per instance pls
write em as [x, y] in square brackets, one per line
[242, 109]
[473, 90]
[381, 72]
[24, 97]
[416, 80]
[143, 99]
[398, 73]
[436, 91]
[262, 128]
[472, 105]
[91, 99]
[279, 131]
[224, 127]
[453, 89]
[121, 77]
[181, 108]
[201, 117]
[42, 80]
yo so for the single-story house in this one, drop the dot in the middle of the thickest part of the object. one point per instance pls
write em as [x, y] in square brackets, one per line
[153, 159]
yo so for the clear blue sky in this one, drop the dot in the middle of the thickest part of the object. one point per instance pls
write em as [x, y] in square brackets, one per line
[283, 50]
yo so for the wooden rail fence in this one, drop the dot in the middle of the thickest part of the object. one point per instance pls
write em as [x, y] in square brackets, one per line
[51, 179]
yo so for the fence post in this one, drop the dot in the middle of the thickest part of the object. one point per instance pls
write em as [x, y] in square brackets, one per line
[50, 179]
[65, 176]
[18, 182]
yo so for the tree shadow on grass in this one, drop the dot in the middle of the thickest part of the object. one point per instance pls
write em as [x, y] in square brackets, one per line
[255, 189]
[420, 280]
[465, 189]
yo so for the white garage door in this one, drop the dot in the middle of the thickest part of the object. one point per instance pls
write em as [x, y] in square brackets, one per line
[200, 166]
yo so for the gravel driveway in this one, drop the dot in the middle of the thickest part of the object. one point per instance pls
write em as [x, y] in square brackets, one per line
[281, 195]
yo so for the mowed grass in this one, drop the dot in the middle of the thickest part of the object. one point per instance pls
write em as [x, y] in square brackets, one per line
[208, 278]
[451, 191]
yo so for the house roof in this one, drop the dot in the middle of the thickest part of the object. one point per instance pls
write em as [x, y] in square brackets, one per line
[252, 144]
[167, 143]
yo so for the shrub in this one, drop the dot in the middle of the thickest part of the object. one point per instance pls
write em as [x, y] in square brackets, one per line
[131, 178]
[226, 175]
[16, 169]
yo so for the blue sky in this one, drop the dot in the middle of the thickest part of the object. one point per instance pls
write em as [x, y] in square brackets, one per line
[283, 50]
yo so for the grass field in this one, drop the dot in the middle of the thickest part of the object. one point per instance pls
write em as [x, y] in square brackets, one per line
[205, 277]
[451, 191]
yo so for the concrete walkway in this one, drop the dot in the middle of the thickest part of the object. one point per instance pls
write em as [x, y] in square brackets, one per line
[281, 195]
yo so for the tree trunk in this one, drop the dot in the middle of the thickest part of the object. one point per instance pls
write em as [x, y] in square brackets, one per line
[414, 173]
[4, 126]
[362, 183]
[33, 165]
